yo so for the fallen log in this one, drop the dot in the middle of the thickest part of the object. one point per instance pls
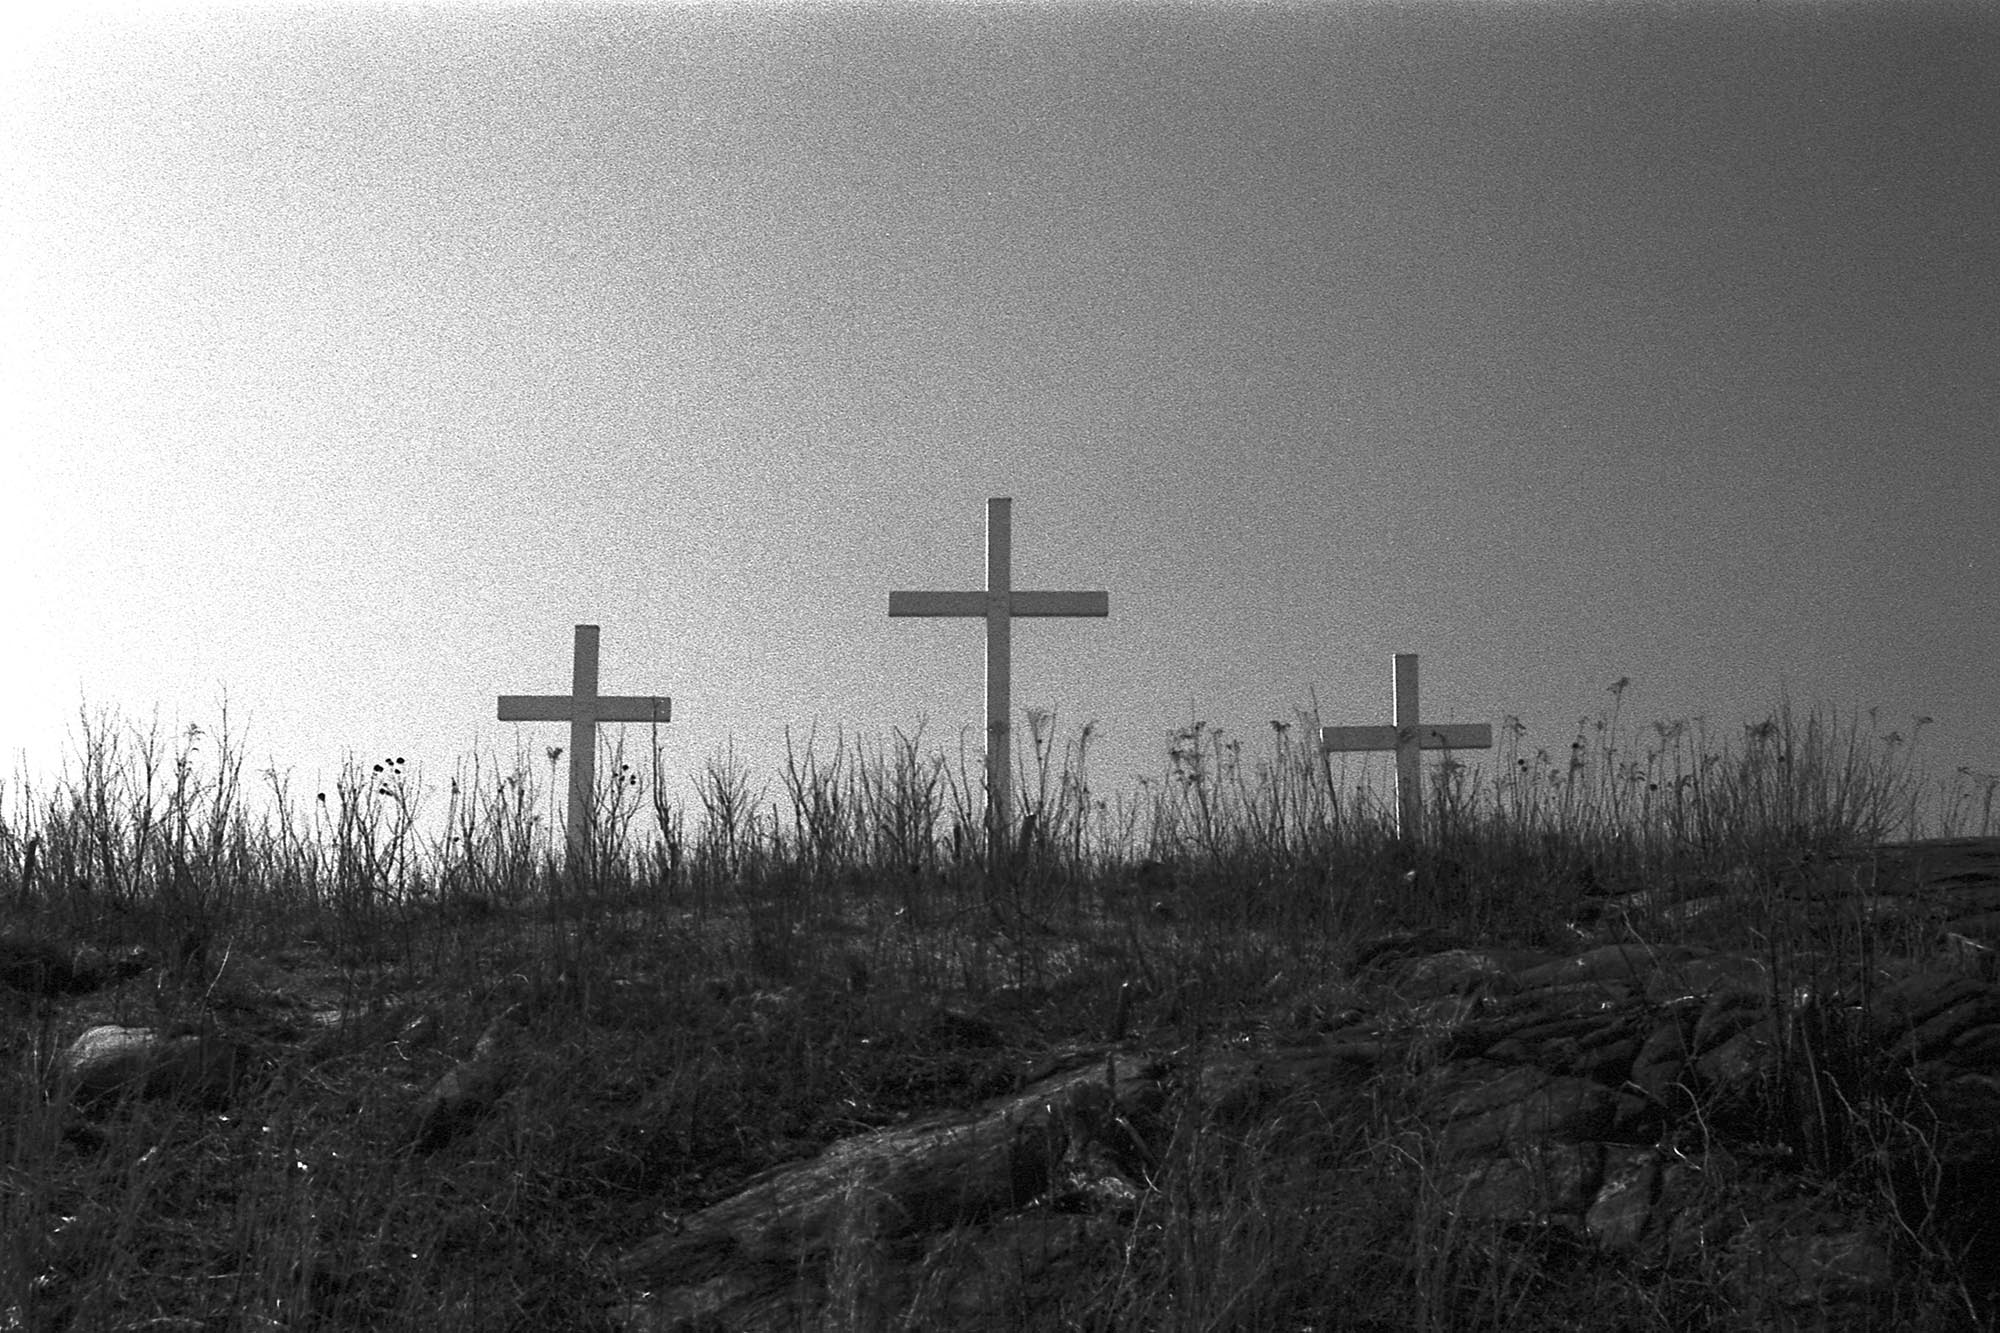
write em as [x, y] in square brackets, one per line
[762, 1257]
[953, 1216]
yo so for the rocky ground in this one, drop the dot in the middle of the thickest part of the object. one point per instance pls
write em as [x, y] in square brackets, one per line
[1656, 1101]
[1807, 1117]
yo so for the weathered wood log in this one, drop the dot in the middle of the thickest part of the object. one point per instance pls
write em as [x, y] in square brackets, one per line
[468, 1089]
[938, 1202]
[750, 1259]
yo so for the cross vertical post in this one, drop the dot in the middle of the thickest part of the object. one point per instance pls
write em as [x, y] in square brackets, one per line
[998, 603]
[582, 731]
[1407, 737]
[999, 668]
[583, 708]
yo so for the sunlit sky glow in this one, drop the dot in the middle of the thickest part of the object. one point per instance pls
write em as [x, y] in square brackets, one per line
[353, 355]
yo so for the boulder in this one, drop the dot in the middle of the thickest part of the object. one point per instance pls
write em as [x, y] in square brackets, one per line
[108, 1063]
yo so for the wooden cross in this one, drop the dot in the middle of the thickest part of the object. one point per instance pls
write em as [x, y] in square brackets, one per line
[1406, 738]
[999, 603]
[583, 708]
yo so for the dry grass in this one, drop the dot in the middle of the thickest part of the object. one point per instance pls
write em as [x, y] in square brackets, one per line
[735, 988]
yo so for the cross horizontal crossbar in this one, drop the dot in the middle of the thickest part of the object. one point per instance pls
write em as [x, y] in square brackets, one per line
[1018, 603]
[1452, 736]
[562, 708]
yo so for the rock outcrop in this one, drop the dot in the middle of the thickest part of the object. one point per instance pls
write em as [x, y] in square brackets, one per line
[1791, 1117]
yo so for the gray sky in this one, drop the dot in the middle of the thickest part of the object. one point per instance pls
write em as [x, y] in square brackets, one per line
[351, 356]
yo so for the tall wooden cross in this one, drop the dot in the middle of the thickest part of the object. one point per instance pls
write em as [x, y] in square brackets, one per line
[1406, 738]
[998, 604]
[583, 708]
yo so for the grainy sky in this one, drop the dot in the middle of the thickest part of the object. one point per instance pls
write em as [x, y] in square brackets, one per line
[353, 355]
